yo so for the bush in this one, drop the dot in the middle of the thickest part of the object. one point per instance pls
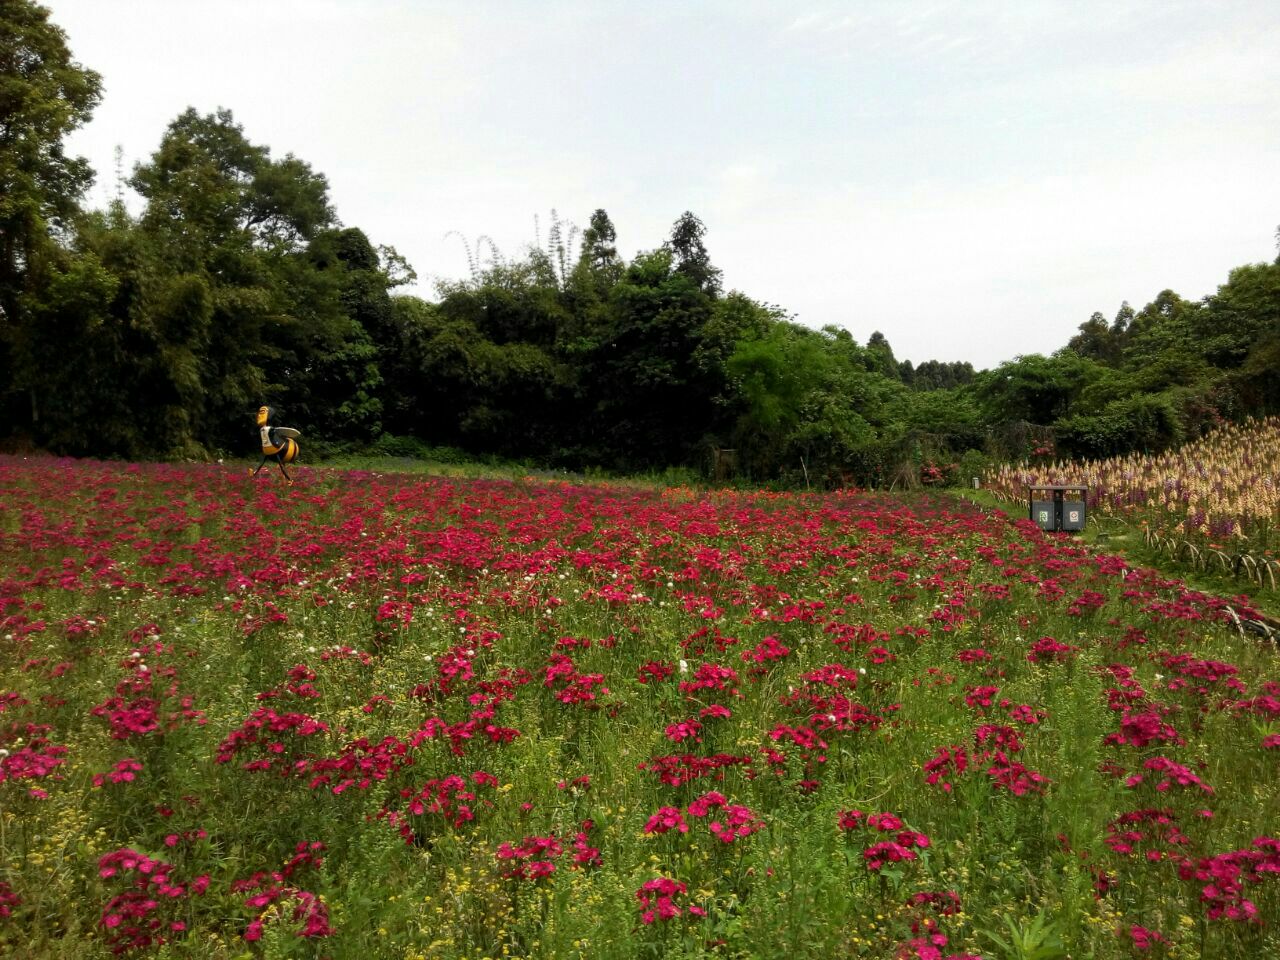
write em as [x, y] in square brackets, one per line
[973, 463]
[389, 445]
[1148, 422]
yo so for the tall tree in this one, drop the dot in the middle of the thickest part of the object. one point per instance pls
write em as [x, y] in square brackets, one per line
[651, 393]
[1245, 309]
[599, 245]
[1094, 339]
[938, 375]
[881, 356]
[585, 322]
[211, 190]
[257, 233]
[44, 95]
[691, 257]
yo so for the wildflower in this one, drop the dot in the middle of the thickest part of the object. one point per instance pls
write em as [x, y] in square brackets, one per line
[531, 859]
[877, 855]
[124, 771]
[8, 900]
[1144, 939]
[667, 818]
[738, 822]
[946, 763]
[659, 900]
[849, 819]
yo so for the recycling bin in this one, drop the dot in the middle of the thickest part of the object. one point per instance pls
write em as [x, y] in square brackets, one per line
[1043, 512]
[1073, 509]
[1055, 507]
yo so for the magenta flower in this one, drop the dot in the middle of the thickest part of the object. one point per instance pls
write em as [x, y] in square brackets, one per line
[667, 818]
[664, 899]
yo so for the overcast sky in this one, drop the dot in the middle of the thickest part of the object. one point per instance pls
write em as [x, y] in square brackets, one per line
[971, 178]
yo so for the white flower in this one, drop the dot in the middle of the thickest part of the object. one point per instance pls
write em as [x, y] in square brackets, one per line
[684, 666]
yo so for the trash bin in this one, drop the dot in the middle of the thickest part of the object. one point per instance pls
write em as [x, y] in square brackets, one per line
[1043, 512]
[1056, 507]
[1073, 509]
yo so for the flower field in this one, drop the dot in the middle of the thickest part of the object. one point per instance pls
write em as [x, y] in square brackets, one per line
[394, 716]
[1220, 493]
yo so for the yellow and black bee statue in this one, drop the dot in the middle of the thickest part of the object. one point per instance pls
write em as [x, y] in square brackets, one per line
[278, 443]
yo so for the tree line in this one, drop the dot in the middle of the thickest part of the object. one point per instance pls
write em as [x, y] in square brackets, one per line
[157, 334]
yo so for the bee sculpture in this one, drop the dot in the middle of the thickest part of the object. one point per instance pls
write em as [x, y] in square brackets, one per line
[278, 443]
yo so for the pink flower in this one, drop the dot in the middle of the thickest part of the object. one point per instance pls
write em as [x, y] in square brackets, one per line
[1144, 939]
[660, 899]
[877, 855]
[667, 818]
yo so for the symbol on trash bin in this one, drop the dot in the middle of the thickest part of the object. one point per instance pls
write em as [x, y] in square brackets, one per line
[1044, 516]
[1074, 516]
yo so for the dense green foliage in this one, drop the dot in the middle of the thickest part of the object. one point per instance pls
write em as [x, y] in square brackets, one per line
[44, 95]
[1161, 375]
[157, 335]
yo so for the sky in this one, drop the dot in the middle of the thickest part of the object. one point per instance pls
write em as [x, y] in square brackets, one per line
[973, 179]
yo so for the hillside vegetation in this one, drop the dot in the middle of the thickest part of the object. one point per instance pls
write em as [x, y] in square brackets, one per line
[157, 335]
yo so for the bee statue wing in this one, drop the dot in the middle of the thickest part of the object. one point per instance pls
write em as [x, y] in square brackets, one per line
[288, 432]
